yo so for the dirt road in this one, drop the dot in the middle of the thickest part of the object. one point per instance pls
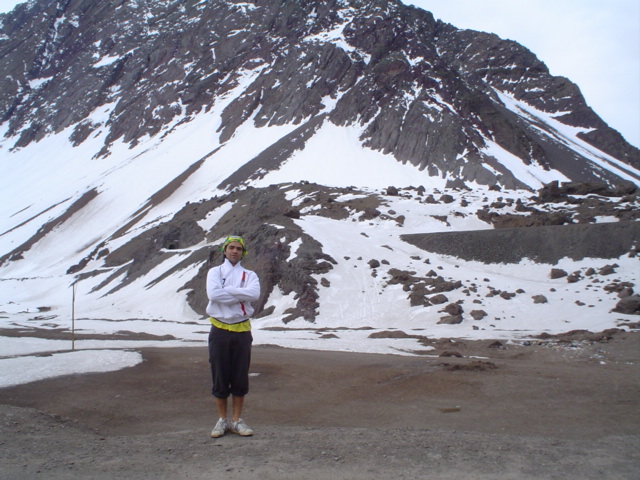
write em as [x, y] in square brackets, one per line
[553, 410]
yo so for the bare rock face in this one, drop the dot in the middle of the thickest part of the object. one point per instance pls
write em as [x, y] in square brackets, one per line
[425, 91]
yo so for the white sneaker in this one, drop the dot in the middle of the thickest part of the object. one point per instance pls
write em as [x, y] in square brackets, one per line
[241, 428]
[221, 427]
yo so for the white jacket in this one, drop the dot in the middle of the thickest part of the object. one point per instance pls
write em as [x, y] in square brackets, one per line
[230, 289]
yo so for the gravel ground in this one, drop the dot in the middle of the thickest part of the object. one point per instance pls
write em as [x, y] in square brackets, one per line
[552, 410]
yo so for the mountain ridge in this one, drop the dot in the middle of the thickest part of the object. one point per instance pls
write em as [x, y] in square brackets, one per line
[354, 52]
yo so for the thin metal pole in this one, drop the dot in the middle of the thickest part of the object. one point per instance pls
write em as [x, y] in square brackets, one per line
[73, 318]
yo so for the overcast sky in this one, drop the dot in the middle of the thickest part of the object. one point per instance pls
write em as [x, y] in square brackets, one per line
[594, 43]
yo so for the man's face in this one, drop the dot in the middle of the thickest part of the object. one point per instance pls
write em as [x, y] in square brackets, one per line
[233, 252]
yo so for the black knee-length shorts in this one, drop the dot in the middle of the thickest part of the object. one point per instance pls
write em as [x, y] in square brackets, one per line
[230, 357]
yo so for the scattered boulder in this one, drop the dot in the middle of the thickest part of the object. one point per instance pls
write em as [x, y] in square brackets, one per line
[558, 273]
[369, 214]
[574, 277]
[539, 299]
[441, 285]
[628, 305]
[608, 270]
[453, 309]
[402, 277]
[328, 335]
[418, 296]
[478, 314]
[449, 353]
[625, 292]
[450, 320]
[292, 213]
[438, 299]
[457, 183]
[619, 287]
[374, 263]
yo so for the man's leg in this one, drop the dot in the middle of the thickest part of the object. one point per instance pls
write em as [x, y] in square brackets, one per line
[240, 382]
[221, 406]
[218, 352]
[238, 403]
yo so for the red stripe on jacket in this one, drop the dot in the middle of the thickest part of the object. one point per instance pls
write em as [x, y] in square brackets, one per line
[244, 279]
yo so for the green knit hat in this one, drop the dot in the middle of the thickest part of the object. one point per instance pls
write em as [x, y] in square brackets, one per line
[234, 238]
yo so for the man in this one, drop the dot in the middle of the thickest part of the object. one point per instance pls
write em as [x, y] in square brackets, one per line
[230, 289]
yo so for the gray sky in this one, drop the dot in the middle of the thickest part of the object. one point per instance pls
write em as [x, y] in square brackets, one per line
[594, 43]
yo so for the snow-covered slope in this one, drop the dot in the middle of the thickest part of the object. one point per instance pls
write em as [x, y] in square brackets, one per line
[115, 191]
[358, 301]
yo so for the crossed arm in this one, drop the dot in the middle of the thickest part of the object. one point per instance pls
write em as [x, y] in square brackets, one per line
[229, 295]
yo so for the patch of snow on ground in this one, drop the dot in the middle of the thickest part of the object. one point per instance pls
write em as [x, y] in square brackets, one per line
[83, 361]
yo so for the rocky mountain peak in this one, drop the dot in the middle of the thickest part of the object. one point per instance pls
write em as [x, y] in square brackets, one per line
[423, 91]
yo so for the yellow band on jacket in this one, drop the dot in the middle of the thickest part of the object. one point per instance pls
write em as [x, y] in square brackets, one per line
[232, 327]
